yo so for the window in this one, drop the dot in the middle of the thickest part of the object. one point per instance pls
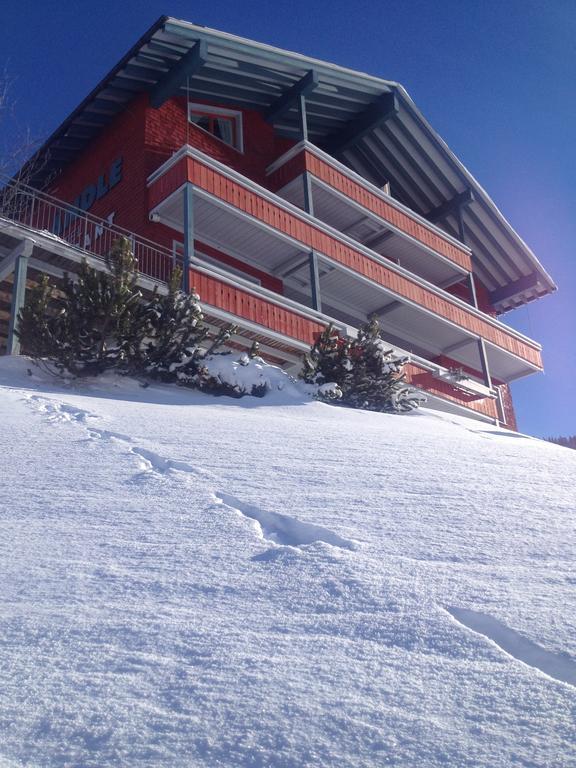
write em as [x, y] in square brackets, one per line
[223, 124]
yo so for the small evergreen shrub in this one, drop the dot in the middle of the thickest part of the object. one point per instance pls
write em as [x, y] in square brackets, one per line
[99, 321]
[365, 372]
[89, 325]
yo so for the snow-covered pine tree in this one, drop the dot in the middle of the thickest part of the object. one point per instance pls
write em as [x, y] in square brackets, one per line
[37, 326]
[199, 374]
[100, 321]
[97, 314]
[376, 371]
[170, 329]
[368, 373]
[328, 360]
[86, 327]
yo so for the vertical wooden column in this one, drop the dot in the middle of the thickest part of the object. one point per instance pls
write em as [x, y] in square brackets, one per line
[315, 282]
[18, 295]
[309, 208]
[484, 362]
[481, 344]
[188, 199]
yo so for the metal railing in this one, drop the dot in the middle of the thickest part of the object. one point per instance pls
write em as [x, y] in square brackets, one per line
[34, 209]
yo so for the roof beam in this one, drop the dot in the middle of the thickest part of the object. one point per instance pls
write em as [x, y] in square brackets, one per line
[457, 345]
[77, 132]
[382, 109]
[450, 207]
[378, 238]
[387, 308]
[290, 97]
[70, 143]
[512, 289]
[191, 63]
[290, 265]
[398, 174]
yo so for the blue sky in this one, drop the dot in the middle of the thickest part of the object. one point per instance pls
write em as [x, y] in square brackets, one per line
[495, 79]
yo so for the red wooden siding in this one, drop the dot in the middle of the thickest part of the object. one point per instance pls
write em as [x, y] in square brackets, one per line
[291, 169]
[244, 199]
[255, 309]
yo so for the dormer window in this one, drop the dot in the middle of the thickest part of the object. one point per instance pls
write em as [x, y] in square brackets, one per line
[223, 124]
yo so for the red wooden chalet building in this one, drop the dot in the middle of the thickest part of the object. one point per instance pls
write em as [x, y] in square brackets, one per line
[298, 193]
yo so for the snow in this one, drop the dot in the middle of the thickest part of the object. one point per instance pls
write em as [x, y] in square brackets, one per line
[247, 375]
[197, 581]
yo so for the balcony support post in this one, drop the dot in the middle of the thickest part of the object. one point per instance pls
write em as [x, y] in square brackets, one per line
[461, 227]
[484, 363]
[472, 287]
[18, 295]
[500, 407]
[302, 117]
[315, 282]
[308, 202]
[481, 343]
[188, 235]
[309, 208]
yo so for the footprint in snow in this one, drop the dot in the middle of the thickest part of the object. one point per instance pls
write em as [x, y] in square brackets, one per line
[558, 666]
[150, 461]
[57, 411]
[284, 530]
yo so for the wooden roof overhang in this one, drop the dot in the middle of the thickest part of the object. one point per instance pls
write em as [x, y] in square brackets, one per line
[370, 124]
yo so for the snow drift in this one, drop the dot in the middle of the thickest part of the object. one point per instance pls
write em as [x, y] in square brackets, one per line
[188, 581]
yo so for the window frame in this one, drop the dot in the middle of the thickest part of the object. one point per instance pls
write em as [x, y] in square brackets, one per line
[233, 115]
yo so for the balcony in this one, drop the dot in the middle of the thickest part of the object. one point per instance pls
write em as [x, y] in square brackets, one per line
[352, 205]
[259, 228]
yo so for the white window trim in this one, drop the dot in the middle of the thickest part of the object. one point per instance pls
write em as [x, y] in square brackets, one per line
[208, 109]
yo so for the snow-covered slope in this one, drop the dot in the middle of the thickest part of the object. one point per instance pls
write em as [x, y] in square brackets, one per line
[190, 581]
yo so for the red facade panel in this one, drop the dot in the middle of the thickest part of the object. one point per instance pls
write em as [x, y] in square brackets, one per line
[127, 199]
[255, 309]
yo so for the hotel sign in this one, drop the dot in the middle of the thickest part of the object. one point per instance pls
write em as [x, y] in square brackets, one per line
[89, 195]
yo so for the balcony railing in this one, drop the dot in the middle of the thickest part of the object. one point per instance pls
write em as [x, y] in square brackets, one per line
[94, 236]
